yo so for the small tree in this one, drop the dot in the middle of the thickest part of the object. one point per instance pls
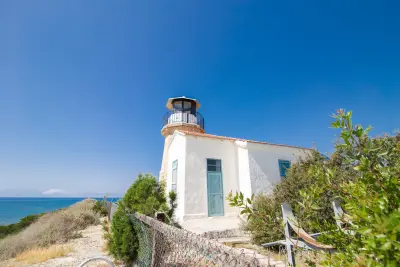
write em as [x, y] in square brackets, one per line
[100, 207]
[145, 196]
[122, 241]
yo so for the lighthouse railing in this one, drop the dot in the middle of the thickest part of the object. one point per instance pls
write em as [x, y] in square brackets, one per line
[173, 117]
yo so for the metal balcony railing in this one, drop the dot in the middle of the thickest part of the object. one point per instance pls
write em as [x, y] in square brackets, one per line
[172, 117]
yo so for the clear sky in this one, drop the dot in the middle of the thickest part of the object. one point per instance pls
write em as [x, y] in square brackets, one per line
[83, 84]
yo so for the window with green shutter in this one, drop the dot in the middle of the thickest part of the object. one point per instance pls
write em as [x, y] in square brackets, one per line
[284, 165]
[174, 175]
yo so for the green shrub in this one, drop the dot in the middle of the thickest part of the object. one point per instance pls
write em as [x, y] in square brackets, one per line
[371, 200]
[266, 226]
[100, 207]
[122, 242]
[14, 228]
[265, 222]
[145, 196]
[364, 175]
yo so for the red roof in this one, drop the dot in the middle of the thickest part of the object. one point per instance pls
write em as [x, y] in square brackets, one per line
[235, 139]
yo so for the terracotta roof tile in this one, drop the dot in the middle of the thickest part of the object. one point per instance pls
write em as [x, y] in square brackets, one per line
[235, 139]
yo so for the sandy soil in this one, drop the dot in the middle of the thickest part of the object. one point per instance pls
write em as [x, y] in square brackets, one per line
[91, 244]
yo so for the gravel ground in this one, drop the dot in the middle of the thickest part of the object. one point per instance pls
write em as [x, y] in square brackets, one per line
[91, 244]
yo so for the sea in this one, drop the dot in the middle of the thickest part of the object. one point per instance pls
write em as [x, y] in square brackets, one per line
[12, 209]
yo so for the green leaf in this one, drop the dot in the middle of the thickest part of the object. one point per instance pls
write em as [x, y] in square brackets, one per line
[316, 207]
[357, 168]
[349, 114]
[301, 204]
[249, 201]
[367, 130]
[383, 153]
[335, 124]
[365, 231]
[387, 245]
[244, 211]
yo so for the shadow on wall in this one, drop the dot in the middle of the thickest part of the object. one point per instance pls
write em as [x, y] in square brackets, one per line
[259, 179]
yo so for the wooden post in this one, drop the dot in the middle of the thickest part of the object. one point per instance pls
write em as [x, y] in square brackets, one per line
[289, 245]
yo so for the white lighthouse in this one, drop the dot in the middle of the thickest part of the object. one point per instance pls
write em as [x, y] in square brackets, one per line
[182, 115]
[203, 168]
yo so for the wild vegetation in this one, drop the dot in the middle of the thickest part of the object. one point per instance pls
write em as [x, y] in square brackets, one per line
[145, 196]
[36, 255]
[371, 200]
[265, 221]
[14, 228]
[52, 228]
[100, 207]
[363, 174]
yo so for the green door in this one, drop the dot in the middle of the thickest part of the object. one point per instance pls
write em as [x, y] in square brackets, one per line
[215, 194]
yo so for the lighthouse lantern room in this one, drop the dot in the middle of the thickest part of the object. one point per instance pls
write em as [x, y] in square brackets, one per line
[182, 115]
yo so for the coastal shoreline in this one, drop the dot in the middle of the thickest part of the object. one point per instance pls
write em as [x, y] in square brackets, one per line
[13, 209]
[77, 228]
[90, 244]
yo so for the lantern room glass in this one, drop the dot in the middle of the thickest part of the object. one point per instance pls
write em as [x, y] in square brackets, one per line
[184, 106]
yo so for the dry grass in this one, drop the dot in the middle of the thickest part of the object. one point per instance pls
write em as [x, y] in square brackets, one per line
[53, 228]
[100, 265]
[104, 248]
[301, 257]
[275, 255]
[37, 255]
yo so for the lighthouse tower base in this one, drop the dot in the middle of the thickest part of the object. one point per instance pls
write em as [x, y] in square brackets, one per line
[168, 131]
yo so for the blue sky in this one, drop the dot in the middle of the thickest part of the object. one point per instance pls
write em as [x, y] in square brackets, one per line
[83, 84]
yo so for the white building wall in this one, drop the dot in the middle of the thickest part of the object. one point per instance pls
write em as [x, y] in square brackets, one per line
[243, 168]
[246, 167]
[198, 150]
[177, 151]
[264, 166]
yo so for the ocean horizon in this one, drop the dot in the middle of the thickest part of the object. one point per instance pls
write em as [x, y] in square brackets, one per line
[12, 209]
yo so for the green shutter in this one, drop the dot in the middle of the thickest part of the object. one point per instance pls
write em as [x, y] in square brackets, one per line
[174, 175]
[284, 165]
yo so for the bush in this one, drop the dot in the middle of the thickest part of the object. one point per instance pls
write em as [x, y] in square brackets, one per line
[265, 224]
[52, 228]
[371, 200]
[14, 228]
[364, 175]
[123, 243]
[100, 207]
[145, 196]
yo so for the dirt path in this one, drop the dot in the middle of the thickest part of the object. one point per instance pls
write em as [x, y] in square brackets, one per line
[91, 244]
